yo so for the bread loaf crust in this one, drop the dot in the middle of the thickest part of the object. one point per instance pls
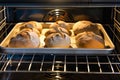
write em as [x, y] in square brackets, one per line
[89, 40]
[25, 39]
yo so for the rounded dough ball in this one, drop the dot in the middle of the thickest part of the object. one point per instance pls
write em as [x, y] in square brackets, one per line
[57, 40]
[36, 25]
[82, 26]
[57, 30]
[33, 25]
[64, 25]
[61, 24]
[89, 40]
[25, 39]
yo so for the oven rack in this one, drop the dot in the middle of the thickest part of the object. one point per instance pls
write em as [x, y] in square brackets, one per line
[3, 17]
[3, 27]
[116, 29]
[100, 64]
[116, 15]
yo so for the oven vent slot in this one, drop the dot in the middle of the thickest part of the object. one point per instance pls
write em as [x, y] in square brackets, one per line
[109, 64]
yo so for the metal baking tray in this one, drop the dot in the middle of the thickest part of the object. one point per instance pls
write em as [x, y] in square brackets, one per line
[109, 46]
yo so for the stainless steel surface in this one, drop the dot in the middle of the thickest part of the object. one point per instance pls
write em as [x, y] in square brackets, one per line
[38, 63]
[109, 47]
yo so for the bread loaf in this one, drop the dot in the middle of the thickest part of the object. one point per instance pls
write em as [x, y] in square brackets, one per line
[62, 25]
[56, 30]
[82, 26]
[25, 39]
[33, 25]
[28, 36]
[58, 40]
[89, 40]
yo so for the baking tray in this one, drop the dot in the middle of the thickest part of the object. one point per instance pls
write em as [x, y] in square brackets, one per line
[109, 46]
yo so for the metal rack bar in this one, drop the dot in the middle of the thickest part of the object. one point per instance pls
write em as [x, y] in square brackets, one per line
[19, 63]
[2, 10]
[65, 64]
[99, 65]
[76, 63]
[88, 68]
[31, 63]
[115, 15]
[4, 60]
[53, 64]
[9, 61]
[110, 65]
[3, 21]
[42, 63]
[116, 22]
[114, 33]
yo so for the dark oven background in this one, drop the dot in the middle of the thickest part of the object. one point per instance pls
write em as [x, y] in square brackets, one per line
[95, 14]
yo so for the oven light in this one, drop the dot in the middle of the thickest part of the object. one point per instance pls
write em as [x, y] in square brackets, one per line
[57, 10]
[57, 77]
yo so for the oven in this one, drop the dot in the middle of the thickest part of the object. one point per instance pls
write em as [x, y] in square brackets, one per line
[35, 64]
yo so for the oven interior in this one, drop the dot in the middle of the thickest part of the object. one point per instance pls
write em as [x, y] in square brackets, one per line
[35, 66]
